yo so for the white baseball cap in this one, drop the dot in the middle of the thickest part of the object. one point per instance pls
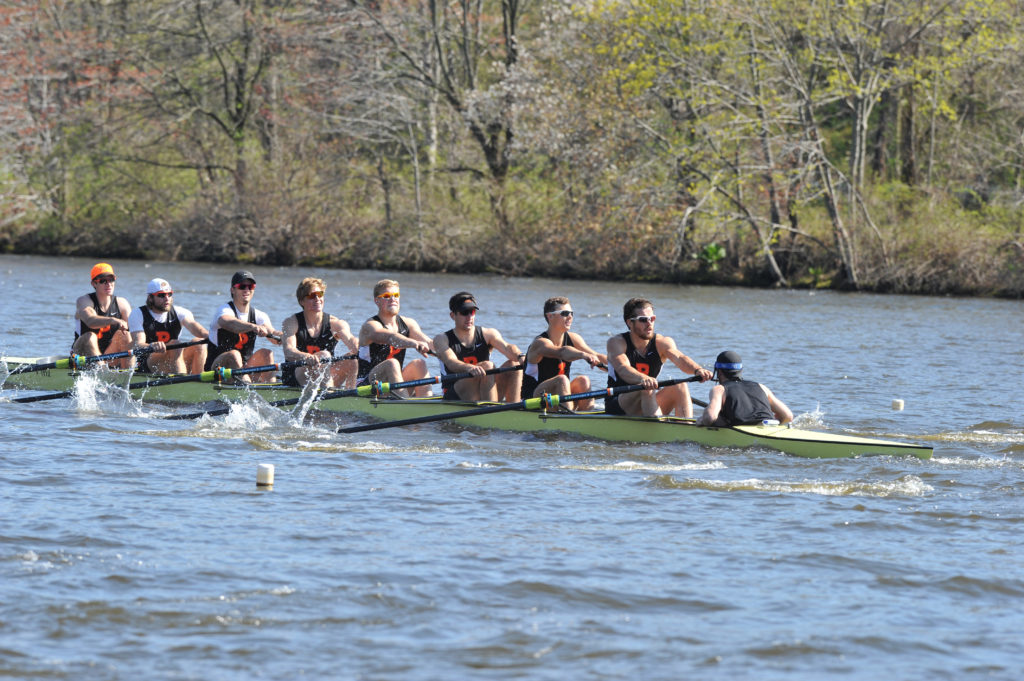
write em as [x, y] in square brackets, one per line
[158, 286]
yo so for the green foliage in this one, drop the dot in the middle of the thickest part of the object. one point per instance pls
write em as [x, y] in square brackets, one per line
[673, 140]
[711, 255]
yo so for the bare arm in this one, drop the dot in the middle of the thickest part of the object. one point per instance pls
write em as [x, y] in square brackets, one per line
[341, 331]
[781, 411]
[86, 313]
[543, 347]
[496, 341]
[582, 345]
[451, 362]
[668, 350]
[230, 322]
[424, 345]
[714, 408]
[289, 328]
[194, 327]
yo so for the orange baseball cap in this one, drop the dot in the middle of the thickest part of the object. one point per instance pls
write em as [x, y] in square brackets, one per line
[100, 269]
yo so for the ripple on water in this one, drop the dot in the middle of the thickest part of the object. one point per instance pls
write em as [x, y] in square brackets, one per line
[907, 485]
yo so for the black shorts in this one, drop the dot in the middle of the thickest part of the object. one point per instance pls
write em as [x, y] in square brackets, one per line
[611, 406]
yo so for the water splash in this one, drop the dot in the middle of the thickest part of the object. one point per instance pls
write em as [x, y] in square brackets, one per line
[95, 394]
[811, 420]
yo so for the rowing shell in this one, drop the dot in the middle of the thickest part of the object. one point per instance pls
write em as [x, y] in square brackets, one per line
[795, 441]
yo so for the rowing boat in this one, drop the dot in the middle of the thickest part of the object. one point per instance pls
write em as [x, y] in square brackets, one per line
[795, 441]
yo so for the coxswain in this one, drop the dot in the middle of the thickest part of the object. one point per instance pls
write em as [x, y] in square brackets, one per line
[735, 401]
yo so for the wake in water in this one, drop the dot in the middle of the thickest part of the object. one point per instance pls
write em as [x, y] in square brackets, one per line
[906, 485]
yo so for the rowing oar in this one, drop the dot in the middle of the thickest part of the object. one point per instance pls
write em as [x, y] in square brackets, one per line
[79, 361]
[544, 401]
[223, 374]
[369, 390]
[220, 374]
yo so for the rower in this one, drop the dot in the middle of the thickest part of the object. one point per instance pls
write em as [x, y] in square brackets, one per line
[158, 323]
[101, 325]
[235, 328]
[311, 336]
[384, 338]
[636, 357]
[550, 355]
[466, 348]
[735, 402]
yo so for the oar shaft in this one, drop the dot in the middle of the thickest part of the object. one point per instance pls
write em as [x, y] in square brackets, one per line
[222, 374]
[369, 390]
[78, 361]
[546, 401]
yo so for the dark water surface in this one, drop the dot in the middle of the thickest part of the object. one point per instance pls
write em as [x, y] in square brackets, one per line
[137, 548]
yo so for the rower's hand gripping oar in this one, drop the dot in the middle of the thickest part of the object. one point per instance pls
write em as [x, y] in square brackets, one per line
[370, 390]
[543, 402]
[81, 361]
[220, 375]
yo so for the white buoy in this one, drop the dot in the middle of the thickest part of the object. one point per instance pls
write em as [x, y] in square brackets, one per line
[265, 475]
[897, 405]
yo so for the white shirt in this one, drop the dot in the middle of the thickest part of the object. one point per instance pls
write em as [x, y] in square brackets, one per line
[226, 309]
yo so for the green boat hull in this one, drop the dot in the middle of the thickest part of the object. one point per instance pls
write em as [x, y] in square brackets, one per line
[795, 441]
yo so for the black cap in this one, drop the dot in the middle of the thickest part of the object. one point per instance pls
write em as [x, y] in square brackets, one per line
[241, 275]
[462, 301]
[728, 363]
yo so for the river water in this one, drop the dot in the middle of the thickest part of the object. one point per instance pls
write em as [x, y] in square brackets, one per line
[133, 547]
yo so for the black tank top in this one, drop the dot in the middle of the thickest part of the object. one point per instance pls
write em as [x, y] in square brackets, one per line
[373, 354]
[163, 332]
[745, 403]
[324, 340]
[547, 367]
[471, 353]
[104, 335]
[647, 362]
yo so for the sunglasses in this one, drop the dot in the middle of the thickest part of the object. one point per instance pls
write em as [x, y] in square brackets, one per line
[164, 294]
[314, 294]
[564, 313]
[245, 287]
[644, 319]
[389, 294]
[467, 311]
[105, 280]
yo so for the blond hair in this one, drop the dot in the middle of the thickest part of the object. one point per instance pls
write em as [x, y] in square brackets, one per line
[383, 285]
[307, 285]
